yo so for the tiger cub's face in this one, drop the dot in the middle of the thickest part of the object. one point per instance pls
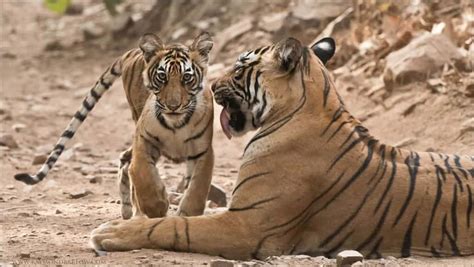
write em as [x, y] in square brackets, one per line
[174, 74]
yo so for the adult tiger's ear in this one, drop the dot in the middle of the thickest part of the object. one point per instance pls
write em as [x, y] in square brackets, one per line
[288, 53]
[150, 44]
[324, 49]
[203, 45]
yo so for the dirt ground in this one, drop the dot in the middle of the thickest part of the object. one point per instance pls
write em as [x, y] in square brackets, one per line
[40, 90]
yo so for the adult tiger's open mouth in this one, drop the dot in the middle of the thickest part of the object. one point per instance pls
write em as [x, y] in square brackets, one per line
[225, 123]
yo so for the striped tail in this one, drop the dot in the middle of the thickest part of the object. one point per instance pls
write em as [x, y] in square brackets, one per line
[100, 87]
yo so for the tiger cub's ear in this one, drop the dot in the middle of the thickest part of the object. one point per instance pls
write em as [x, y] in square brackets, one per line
[149, 44]
[288, 53]
[203, 45]
[324, 49]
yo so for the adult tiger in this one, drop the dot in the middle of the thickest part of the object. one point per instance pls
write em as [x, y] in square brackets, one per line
[313, 181]
[173, 114]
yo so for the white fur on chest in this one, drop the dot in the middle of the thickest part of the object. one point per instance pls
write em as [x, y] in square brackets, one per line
[176, 144]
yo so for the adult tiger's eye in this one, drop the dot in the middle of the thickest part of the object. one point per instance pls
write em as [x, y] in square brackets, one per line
[187, 77]
[161, 75]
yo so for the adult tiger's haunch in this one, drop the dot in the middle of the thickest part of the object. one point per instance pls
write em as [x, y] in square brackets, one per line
[313, 181]
[173, 111]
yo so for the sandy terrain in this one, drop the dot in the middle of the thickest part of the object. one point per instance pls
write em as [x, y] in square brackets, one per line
[40, 90]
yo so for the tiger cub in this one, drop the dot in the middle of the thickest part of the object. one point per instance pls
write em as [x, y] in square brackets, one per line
[173, 113]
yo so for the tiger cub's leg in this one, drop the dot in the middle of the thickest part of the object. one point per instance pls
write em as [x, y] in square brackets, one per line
[195, 196]
[184, 184]
[148, 191]
[124, 183]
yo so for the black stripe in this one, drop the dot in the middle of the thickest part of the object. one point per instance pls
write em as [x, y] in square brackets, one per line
[280, 123]
[377, 229]
[86, 105]
[69, 134]
[112, 69]
[452, 242]
[253, 205]
[338, 129]
[199, 134]
[335, 117]
[95, 95]
[329, 253]
[104, 84]
[374, 253]
[454, 218]
[459, 166]
[326, 88]
[458, 180]
[78, 115]
[155, 146]
[439, 193]
[246, 179]
[59, 148]
[406, 247]
[197, 156]
[412, 162]
[435, 252]
[186, 231]
[153, 228]
[440, 171]
[446, 164]
[129, 88]
[393, 155]
[469, 206]
[344, 152]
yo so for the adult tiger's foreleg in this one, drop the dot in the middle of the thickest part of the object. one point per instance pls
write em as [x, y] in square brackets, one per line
[220, 234]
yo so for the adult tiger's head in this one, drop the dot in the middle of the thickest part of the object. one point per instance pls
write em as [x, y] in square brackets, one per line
[259, 85]
[175, 73]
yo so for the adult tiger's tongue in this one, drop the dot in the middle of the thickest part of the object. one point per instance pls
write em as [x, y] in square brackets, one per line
[224, 118]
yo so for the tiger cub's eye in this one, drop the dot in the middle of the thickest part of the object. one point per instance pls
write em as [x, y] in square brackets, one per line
[187, 77]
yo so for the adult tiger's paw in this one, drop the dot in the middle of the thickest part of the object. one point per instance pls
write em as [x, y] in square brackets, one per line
[121, 235]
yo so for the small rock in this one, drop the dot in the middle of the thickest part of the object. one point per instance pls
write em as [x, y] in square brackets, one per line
[135, 251]
[157, 256]
[53, 45]
[8, 141]
[58, 212]
[79, 194]
[348, 257]
[24, 214]
[25, 255]
[273, 22]
[357, 264]
[75, 9]
[39, 159]
[108, 169]
[86, 224]
[91, 31]
[10, 187]
[87, 169]
[469, 90]
[120, 24]
[18, 127]
[222, 263]
[142, 257]
[174, 198]
[63, 84]
[217, 195]
[60, 233]
[94, 179]
[9, 55]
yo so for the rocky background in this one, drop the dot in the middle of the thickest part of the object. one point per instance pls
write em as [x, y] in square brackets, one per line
[404, 68]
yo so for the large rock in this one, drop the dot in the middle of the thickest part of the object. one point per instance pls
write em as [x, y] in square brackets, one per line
[423, 56]
[320, 9]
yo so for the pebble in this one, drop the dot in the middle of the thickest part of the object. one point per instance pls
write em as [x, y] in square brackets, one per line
[135, 251]
[94, 179]
[86, 224]
[10, 187]
[348, 257]
[8, 141]
[222, 263]
[58, 212]
[39, 159]
[217, 195]
[87, 169]
[157, 256]
[18, 127]
[79, 194]
[24, 214]
[25, 255]
[60, 233]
